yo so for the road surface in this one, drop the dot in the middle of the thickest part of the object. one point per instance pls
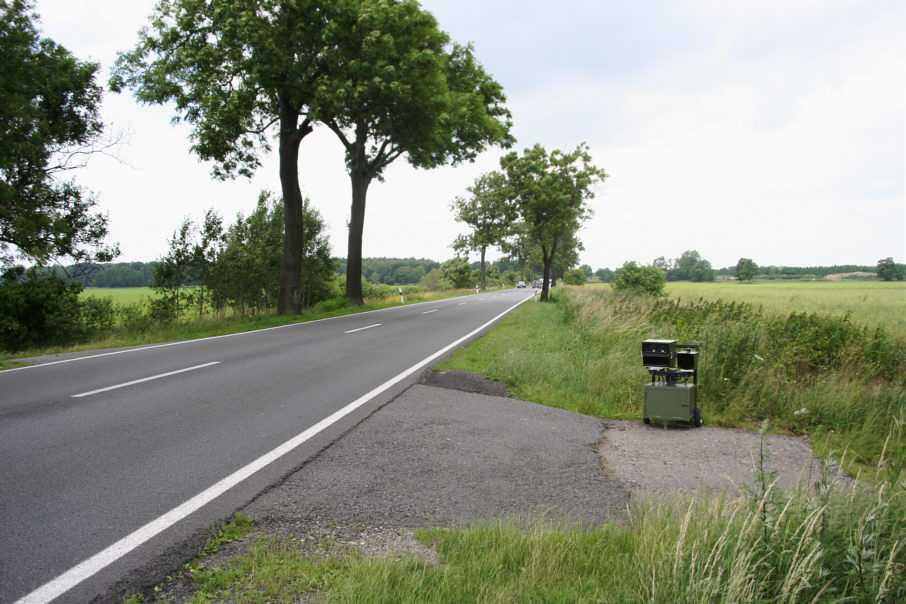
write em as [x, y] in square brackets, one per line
[112, 463]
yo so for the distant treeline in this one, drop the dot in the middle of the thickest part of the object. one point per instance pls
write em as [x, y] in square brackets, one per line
[397, 271]
[115, 274]
[799, 271]
[392, 271]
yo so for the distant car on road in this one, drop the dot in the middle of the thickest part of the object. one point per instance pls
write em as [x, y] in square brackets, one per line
[537, 283]
[520, 284]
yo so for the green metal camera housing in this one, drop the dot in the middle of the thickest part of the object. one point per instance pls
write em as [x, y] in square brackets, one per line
[672, 393]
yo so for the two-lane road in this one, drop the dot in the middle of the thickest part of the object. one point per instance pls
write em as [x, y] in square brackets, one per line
[110, 459]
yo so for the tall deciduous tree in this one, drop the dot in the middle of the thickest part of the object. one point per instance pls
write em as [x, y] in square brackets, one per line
[238, 71]
[746, 269]
[682, 268]
[49, 112]
[550, 192]
[487, 213]
[888, 270]
[393, 85]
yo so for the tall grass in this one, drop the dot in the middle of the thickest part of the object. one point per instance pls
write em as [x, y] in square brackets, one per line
[808, 373]
[871, 303]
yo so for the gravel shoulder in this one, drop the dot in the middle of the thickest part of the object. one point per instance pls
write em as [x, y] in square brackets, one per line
[456, 450]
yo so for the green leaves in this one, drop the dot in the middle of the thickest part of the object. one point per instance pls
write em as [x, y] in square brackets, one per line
[378, 73]
[49, 110]
[746, 269]
[641, 279]
[487, 211]
[550, 192]
[230, 68]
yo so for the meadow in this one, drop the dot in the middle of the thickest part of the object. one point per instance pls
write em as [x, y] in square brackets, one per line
[119, 295]
[867, 302]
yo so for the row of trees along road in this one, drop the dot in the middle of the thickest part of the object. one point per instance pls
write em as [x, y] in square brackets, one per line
[380, 74]
[535, 204]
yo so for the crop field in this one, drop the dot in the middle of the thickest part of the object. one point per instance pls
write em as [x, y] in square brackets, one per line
[869, 303]
[120, 295]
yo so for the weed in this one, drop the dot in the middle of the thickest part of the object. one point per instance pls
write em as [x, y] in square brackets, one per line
[235, 529]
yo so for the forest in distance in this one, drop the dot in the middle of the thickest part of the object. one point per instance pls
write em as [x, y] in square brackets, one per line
[408, 271]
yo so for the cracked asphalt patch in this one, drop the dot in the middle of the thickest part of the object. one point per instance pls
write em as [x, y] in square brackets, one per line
[441, 457]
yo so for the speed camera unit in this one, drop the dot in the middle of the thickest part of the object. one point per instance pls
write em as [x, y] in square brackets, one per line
[671, 394]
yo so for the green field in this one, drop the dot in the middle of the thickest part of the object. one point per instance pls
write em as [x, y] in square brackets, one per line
[868, 302]
[120, 295]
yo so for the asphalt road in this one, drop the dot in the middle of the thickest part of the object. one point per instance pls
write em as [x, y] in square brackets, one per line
[103, 446]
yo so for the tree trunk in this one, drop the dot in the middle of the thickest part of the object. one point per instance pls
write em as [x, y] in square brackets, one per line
[483, 279]
[360, 175]
[289, 298]
[547, 260]
[354, 248]
[545, 281]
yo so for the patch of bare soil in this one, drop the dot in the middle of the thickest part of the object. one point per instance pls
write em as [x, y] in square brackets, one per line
[465, 382]
[651, 460]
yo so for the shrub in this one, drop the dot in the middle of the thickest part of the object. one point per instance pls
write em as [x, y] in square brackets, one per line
[98, 314]
[458, 272]
[641, 279]
[575, 276]
[38, 308]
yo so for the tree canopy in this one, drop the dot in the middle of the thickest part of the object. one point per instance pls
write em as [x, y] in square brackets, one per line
[240, 72]
[49, 110]
[746, 269]
[888, 270]
[394, 85]
[488, 215]
[549, 191]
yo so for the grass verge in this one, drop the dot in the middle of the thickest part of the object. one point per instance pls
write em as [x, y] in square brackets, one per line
[767, 546]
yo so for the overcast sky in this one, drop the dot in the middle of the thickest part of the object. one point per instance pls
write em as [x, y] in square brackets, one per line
[766, 129]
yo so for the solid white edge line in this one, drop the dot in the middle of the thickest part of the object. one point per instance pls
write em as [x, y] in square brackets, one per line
[147, 379]
[82, 571]
[363, 328]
